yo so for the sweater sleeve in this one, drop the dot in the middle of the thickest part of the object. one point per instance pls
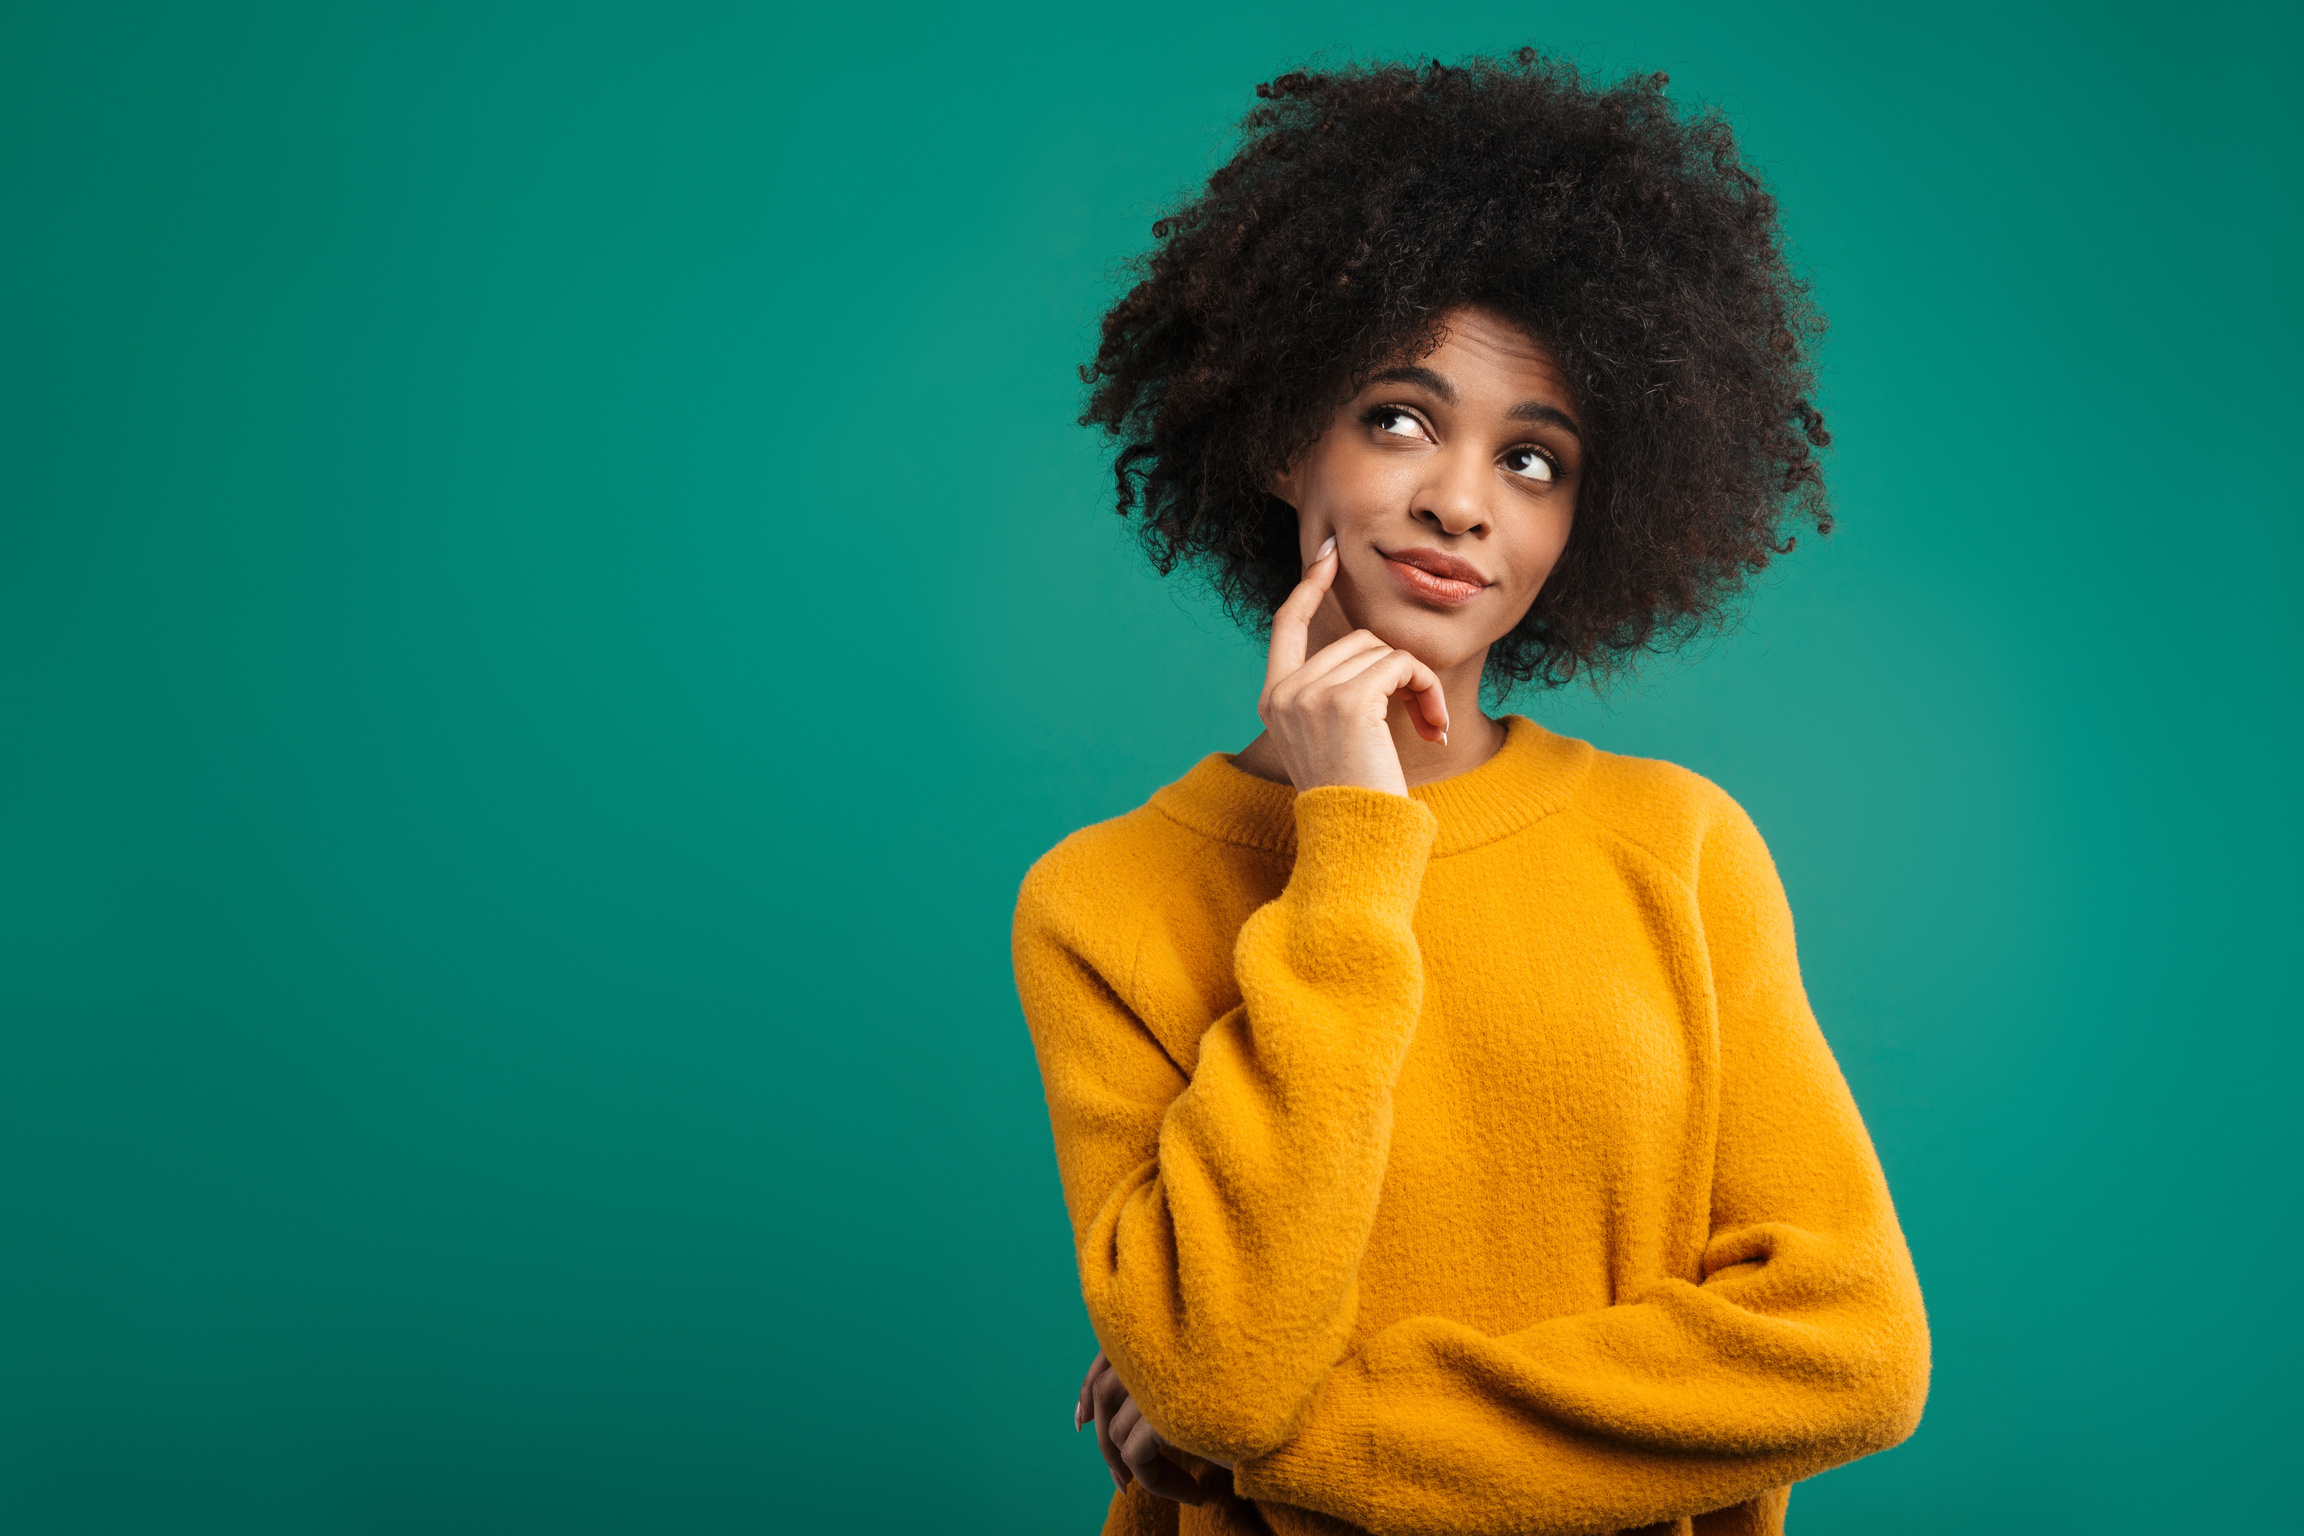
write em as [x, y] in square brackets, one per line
[1801, 1343]
[1220, 1214]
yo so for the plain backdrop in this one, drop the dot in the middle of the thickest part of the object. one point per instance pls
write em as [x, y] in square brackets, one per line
[549, 593]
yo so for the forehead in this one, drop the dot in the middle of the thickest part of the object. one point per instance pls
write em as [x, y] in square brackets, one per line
[1483, 363]
[1480, 350]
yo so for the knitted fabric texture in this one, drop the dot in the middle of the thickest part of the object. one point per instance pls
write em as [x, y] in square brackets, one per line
[1465, 1163]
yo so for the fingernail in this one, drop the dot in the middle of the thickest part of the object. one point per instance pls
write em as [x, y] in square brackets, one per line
[1443, 738]
[1326, 548]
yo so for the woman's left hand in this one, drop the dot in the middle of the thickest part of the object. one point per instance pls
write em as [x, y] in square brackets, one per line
[1132, 1447]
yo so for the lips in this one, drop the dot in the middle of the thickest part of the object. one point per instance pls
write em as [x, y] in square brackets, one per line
[1446, 567]
[1429, 574]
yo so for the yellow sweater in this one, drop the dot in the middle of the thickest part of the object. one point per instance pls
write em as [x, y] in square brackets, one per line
[1464, 1163]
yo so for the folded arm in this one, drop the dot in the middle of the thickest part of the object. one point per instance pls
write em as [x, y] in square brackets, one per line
[1801, 1343]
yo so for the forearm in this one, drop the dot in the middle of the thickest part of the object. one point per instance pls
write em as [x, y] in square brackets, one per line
[1687, 1399]
[1220, 1233]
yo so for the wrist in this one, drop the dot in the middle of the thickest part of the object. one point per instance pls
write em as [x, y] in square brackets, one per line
[1382, 775]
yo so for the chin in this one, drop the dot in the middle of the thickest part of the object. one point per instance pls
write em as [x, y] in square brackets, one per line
[1438, 640]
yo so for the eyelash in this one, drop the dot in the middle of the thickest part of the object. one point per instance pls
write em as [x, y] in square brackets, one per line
[1376, 415]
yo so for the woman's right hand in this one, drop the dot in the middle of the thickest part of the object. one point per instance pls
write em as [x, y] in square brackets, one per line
[1328, 715]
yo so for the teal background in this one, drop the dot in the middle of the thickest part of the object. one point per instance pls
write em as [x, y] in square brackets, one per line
[549, 594]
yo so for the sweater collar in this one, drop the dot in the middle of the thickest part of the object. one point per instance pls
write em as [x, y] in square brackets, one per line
[1532, 775]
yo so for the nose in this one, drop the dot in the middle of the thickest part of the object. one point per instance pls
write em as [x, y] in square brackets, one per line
[1451, 501]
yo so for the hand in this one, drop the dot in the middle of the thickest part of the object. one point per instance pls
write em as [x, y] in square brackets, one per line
[1132, 1448]
[1328, 716]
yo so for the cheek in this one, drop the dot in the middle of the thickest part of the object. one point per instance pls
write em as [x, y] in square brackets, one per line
[1558, 527]
[1349, 487]
[1556, 541]
[1540, 554]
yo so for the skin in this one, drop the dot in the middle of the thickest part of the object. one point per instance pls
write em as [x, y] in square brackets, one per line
[1473, 452]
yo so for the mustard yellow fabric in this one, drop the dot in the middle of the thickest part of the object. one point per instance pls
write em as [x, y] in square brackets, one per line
[1467, 1162]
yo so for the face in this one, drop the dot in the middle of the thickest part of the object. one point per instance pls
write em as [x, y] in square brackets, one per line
[1450, 484]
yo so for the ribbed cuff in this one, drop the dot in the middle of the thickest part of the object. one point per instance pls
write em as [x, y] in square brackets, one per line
[1361, 848]
[1326, 1455]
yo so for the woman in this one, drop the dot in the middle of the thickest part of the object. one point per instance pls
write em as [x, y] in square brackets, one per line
[1446, 1135]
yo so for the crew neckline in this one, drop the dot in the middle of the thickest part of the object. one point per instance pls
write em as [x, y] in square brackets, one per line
[1532, 775]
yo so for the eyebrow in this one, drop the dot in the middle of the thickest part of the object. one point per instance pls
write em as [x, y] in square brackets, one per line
[1526, 410]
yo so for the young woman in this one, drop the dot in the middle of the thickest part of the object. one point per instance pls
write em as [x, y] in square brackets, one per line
[1446, 1135]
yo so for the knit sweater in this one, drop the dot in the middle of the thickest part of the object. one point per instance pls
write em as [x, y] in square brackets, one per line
[1464, 1162]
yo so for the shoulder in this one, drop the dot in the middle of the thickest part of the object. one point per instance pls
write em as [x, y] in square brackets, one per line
[1094, 861]
[1674, 814]
[1093, 892]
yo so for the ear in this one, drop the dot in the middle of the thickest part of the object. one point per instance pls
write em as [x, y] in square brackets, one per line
[1284, 485]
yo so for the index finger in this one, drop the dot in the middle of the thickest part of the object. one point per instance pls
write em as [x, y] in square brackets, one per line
[1292, 620]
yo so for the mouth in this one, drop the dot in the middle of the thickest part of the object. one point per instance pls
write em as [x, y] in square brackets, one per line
[1435, 577]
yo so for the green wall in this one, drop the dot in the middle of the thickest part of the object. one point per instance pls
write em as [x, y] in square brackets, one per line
[548, 595]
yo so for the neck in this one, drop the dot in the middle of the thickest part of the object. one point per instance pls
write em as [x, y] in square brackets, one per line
[1473, 737]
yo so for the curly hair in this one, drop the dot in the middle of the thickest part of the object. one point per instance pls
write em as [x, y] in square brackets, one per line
[1366, 202]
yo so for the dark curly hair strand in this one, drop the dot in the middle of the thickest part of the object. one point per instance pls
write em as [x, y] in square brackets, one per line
[1363, 205]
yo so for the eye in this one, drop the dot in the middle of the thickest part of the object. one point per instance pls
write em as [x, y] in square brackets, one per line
[1397, 422]
[1530, 464]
